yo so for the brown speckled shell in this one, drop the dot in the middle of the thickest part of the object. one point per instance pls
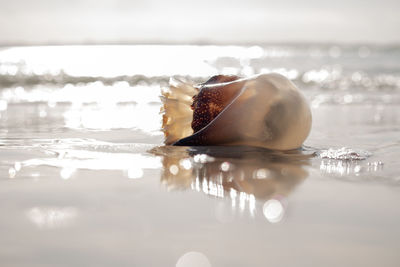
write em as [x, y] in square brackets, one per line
[210, 101]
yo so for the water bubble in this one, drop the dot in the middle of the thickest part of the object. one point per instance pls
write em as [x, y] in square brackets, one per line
[186, 164]
[273, 210]
[344, 153]
[193, 259]
[173, 169]
[12, 172]
[202, 158]
[225, 166]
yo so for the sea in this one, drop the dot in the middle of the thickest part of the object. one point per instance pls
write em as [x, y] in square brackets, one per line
[86, 180]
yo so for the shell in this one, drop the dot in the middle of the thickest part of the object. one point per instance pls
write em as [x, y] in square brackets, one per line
[265, 111]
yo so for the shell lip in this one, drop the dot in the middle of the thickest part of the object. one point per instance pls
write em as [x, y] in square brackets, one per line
[211, 85]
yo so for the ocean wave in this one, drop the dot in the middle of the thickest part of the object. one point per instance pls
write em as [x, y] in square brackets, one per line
[327, 67]
[323, 79]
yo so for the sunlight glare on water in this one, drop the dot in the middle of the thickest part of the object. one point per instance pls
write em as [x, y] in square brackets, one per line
[72, 160]
[123, 60]
[273, 210]
[114, 91]
[82, 155]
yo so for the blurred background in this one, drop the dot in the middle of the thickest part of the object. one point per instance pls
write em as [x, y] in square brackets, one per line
[179, 21]
[85, 178]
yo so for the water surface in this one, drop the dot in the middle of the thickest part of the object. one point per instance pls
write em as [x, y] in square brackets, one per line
[86, 180]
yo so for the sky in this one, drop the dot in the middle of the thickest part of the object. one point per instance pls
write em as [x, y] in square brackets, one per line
[205, 21]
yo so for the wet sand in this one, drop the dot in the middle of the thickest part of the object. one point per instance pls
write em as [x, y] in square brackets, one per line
[91, 184]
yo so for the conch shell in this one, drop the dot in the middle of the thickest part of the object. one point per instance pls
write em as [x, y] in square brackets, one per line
[265, 111]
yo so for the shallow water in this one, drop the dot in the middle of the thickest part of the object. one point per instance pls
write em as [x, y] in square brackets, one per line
[85, 178]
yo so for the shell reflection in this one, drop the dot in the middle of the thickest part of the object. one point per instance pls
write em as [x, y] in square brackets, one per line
[255, 181]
